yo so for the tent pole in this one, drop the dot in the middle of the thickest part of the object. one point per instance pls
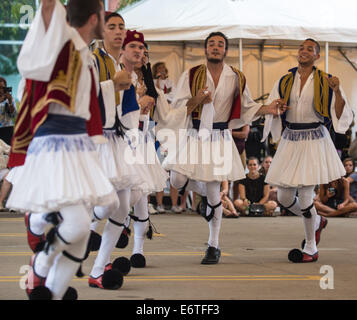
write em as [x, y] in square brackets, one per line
[326, 57]
[261, 49]
[183, 56]
[241, 55]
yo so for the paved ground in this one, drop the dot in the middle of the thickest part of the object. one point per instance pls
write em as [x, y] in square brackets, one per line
[253, 265]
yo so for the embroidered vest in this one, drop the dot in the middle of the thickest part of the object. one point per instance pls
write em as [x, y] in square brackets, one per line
[322, 93]
[61, 89]
[106, 69]
[197, 81]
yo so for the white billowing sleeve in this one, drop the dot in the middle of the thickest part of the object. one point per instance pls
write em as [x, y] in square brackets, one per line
[170, 96]
[41, 48]
[249, 107]
[341, 125]
[108, 95]
[21, 88]
[182, 92]
[130, 120]
[272, 123]
[168, 117]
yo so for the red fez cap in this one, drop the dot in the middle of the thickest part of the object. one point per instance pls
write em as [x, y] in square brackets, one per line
[108, 13]
[133, 36]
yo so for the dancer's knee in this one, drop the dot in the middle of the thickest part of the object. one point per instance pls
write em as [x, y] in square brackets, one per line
[177, 180]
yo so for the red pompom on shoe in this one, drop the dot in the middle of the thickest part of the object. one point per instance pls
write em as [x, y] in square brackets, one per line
[297, 256]
[110, 280]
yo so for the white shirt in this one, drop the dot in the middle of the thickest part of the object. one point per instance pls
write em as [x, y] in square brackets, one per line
[39, 55]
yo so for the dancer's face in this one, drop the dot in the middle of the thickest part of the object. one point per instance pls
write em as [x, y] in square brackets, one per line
[215, 50]
[307, 53]
[134, 52]
[114, 32]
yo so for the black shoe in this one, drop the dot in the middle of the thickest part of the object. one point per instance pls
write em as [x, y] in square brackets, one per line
[212, 256]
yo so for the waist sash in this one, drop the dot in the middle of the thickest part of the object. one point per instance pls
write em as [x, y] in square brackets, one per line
[61, 124]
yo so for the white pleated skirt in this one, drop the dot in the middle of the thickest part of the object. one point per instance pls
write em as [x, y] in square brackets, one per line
[60, 171]
[122, 174]
[142, 155]
[305, 158]
[209, 158]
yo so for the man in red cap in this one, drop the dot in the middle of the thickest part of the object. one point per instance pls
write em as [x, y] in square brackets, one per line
[133, 191]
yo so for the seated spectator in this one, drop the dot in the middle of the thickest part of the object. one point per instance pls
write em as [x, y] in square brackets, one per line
[227, 206]
[7, 105]
[5, 187]
[351, 177]
[8, 112]
[253, 189]
[273, 193]
[334, 199]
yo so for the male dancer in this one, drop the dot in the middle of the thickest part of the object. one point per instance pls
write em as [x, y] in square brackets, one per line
[306, 155]
[129, 114]
[216, 98]
[51, 144]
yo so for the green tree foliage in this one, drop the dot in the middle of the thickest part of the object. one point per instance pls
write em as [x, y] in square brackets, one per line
[11, 12]
[125, 3]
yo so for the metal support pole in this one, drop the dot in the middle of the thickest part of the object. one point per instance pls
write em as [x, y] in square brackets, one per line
[261, 49]
[326, 57]
[183, 56]
[241, 55]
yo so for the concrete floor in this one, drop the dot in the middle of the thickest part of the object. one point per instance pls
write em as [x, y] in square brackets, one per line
[253, 264]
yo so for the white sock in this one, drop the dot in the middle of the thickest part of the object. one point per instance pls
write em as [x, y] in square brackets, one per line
[213, 198]
[73, 228]
[306, 195]
[287, 197]
[94, 225]
[111, 234]
[141, 212]
[317, 221]
[64, 268]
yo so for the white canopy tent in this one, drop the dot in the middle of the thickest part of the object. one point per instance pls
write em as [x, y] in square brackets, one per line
[268, 31]
[184, 20]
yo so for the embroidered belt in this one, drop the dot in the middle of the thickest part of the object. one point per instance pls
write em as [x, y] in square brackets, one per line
[303, 131]
[61, 124]
[216, 125]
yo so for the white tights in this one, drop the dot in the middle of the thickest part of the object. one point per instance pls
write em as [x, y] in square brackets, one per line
[213, 189]
[70, 240]
[286, 196]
